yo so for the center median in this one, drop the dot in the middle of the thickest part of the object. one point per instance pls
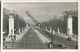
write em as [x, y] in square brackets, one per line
[41, 36]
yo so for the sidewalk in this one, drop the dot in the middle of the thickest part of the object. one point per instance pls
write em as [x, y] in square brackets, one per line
[74, 38]
[18, 37]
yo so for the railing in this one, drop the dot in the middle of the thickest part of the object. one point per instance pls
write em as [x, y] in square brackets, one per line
[23, 45]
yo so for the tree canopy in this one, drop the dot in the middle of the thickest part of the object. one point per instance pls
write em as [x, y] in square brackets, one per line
[18, 22]
[61, 23]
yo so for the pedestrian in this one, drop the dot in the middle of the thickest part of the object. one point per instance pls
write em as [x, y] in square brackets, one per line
[50, 45]
[15, 37]
[4, 39]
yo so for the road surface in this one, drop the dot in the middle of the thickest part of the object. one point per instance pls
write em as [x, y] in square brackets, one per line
[38, 39]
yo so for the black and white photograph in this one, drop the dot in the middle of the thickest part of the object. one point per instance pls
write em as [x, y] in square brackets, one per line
[0, 25]
[40, 25]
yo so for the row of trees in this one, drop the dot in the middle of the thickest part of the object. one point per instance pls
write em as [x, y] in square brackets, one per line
[19, 23]
[61, 22]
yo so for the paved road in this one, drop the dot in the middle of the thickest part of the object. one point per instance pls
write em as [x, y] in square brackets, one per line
[31, 37]
[59, 39]
[32, 40]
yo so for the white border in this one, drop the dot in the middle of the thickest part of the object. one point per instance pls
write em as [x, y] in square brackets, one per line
[31, 50]
[1, 25]
[79, 25]
[41, 0]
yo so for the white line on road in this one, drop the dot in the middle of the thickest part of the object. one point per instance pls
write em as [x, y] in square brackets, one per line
[41, 36]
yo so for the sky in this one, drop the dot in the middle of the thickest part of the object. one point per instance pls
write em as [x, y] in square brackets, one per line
[41, 11]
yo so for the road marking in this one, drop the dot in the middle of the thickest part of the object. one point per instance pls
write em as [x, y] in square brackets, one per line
[41, 36]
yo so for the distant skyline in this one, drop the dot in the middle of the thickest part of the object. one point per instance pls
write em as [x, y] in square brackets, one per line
[41, 11]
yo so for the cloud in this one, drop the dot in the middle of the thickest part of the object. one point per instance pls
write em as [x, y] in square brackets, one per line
[41, 11]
